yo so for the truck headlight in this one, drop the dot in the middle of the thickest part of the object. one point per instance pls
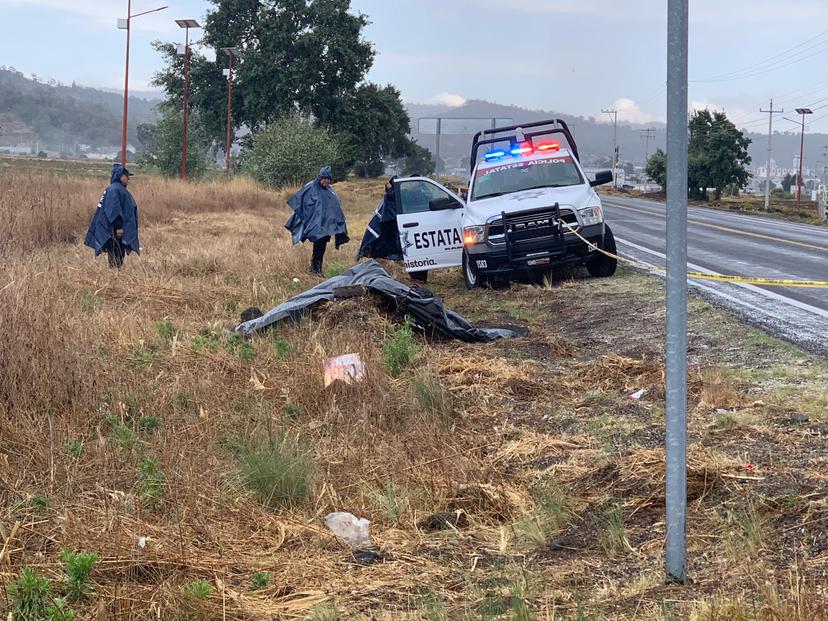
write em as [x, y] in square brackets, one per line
[591, 215]
[474, 235]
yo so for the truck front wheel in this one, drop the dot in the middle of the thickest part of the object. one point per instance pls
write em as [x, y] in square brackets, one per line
[599, 264]
[470, 275]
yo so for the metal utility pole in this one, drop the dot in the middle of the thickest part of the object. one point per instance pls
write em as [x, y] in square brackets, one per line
[802, 112]
[770, 111]
[437, 163]
[186, 24]
[126, 24]
[647, 135]
[675, 548]
[614, 114]
[230, 51]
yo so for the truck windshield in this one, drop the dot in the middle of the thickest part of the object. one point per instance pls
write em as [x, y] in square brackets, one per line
[551, 172]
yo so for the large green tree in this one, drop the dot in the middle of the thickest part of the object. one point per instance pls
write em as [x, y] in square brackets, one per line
[295, 56]
[718, 154]
[657, 168]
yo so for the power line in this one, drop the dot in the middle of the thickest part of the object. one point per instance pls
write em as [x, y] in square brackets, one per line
[770, 59]
[647, 134]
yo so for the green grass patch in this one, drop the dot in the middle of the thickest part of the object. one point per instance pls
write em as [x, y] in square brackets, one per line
[78, 567]
[277, 472]
[73, 448]
[148, 424]
[259, 580]
[151, 483]
[611, 530]
[29, 596]
[89, 302]
[399, 348]
[335, 269]
[198, 590]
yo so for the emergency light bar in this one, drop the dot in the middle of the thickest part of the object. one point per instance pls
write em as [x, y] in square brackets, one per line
[517, 150]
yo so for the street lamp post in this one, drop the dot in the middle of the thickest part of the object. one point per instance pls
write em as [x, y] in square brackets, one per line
[126, 24]
[230, 51]
[802, 112]
[186, 24]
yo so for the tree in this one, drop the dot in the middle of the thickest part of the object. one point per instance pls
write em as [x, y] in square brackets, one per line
[787, 182]
[296, 56]
[291, 151]
[657, 168]
[717, 154]
[376, 125]
[629, 169]
[419, 161]
[162, 144]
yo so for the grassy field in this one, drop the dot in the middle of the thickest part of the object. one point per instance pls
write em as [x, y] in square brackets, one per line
[198, 467]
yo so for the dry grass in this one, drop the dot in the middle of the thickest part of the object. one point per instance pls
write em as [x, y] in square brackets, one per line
[126, 410]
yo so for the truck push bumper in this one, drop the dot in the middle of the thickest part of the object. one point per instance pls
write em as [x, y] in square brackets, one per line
[532, 254]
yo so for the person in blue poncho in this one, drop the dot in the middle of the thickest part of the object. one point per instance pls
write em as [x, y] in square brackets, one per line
[317, 216]
[114, 226]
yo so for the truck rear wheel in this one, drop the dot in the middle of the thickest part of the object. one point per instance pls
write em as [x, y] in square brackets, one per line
[601, 265]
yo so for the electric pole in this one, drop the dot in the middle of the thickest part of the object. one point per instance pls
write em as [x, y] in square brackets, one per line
[614, 114]
[647, 134]
[770, 112]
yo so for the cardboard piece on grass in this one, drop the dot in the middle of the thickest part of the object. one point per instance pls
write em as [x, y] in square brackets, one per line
[348, 369]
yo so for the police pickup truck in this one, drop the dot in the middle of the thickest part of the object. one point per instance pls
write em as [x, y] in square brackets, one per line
[528, 209]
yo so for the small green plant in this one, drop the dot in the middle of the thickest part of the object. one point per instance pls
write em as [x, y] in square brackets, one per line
[166, 330]
[78, 566]
[551, 514]
[432, 607]
[206, 340]
[391, 500]
[278, 472]
[40, 503]
[230, 305]
[282, 348]
[144, 355]
[59, 611]
[291, 410]
[325, 612]
[130, 403]
[88, 301]
[73, 448]
[430, 396]
[150, 482]
[259, 580]
[183, 402]
[241, 346]
[148, 423]
[29, 596]
[198, 590]
[335, 269]
[724, 420]
[123, 436]
[399, 348]
[611, 535]
[747, 530]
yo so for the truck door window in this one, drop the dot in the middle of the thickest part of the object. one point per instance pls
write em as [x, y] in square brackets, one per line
[415, 195]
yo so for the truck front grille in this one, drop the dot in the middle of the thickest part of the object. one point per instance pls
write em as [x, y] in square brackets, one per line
[494, 232]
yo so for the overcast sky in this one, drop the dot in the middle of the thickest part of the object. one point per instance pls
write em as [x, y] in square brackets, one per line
[573, 56]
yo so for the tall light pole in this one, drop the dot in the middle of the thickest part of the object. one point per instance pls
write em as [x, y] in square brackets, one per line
[614, 114]
[230, 51]
[802, 112]
[186, 24]
[126, 24]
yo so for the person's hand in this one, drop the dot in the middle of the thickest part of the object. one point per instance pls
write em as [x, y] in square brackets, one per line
[119, 232]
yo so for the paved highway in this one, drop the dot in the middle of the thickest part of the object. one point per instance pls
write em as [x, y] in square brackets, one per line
[739, 244]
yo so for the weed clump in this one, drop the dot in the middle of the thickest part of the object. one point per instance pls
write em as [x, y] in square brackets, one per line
[151, 482]
[278, 472]
[78, 566]
[30, 595]
[399, 348]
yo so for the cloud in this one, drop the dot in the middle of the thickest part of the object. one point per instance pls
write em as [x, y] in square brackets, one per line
[631, 112]
[448, 99]
[100, 14]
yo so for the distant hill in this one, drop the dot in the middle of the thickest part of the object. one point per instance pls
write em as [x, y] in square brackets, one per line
[61, 117]
[594, 138]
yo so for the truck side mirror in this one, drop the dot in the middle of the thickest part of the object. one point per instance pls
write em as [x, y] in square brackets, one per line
[441, 204]
[601, 178]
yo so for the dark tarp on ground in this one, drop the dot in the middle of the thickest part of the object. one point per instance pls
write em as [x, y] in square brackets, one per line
[426, 311]
[382, 239]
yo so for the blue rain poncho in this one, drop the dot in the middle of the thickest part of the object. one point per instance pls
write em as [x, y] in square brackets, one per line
[382, 238]
[317, 213]
[117, 210]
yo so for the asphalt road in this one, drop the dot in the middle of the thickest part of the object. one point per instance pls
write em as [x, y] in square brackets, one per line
[739, 244]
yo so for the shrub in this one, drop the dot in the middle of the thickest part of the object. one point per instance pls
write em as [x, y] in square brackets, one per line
[259, 580]
[29, 596]
[290, 151]
[399, 348]
[278, 472]
[78, 566]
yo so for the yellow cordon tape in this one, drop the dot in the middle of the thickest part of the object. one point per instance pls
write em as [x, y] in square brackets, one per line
[767, 282]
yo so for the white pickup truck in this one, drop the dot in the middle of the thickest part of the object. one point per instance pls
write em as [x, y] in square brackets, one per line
[527, 199]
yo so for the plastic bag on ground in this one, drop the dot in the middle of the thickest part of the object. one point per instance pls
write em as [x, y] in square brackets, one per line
[349, 529]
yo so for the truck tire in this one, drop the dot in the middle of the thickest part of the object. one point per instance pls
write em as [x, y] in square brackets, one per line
[419, 276]
[471, 277]
[600, 265]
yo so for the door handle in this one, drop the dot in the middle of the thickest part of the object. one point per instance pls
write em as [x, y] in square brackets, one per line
[409, 225]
